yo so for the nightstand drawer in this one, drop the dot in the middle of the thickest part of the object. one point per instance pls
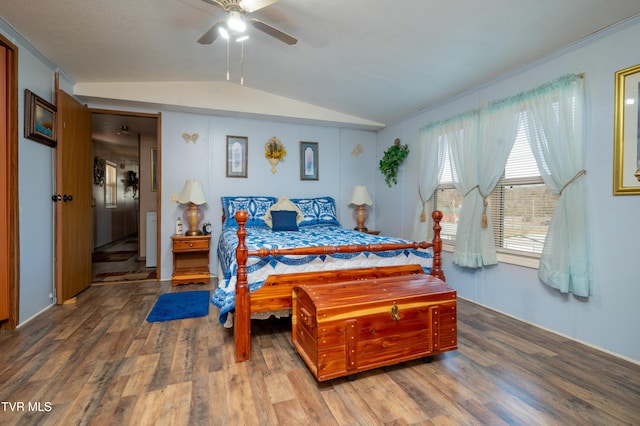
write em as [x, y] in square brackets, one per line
[196, 244]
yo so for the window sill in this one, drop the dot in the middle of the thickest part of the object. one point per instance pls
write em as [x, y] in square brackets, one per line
[512, 259]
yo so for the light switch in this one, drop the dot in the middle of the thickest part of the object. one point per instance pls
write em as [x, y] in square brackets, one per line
[174, 198]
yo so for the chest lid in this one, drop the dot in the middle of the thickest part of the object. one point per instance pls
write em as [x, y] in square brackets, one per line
[407, 288]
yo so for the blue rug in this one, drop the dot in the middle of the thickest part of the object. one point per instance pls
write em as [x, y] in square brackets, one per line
[180, 305]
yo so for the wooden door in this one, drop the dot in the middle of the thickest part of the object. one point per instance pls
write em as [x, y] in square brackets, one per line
[74, 231]
[9, 209]
[4, 188]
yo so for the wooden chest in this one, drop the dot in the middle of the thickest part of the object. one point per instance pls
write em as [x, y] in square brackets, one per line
[344, 328]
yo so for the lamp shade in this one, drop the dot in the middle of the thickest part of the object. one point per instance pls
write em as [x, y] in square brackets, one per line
[192, 193]
[360, 196]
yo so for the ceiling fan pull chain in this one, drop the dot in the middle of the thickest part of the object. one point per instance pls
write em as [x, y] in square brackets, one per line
[242, 63]
[227, 59]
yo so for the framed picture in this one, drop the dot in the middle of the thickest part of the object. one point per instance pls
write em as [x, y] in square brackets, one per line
[39, 119]
[154, 169]
[309, 161]
[237, 156]
[626, 138]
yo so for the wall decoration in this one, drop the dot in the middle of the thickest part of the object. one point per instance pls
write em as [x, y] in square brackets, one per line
[154, 169]
[39, 119]
[626, 139]
[131, 182]
[274, 151]
[99, 165]
[237, 156]
[357, 150]
[391, 160]
[190, 138]
[309, 161]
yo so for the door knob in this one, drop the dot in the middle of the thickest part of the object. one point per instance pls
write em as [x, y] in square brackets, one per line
[55, 197]
[66, 198]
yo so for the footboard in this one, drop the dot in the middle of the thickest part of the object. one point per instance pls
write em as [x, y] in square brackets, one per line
[279, 300]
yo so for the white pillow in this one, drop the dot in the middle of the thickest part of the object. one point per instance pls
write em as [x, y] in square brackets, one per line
[283, 203]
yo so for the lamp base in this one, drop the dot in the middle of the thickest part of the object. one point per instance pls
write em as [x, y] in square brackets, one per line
[192, 216]
[361, 218]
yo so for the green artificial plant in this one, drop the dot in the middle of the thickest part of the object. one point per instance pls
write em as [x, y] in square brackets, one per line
[391, 160]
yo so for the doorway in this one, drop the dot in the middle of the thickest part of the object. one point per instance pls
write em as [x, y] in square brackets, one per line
[125, 196]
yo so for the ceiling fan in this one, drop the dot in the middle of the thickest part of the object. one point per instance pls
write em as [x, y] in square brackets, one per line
[124, 131]
[235, 23]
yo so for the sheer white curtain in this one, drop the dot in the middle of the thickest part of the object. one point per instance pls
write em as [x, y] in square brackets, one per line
[479, 165]
[431, 165]
[557, 141]
[464, 146]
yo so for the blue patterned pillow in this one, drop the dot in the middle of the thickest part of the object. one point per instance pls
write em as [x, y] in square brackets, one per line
[256, 207]
[317, 211]
[306, 207]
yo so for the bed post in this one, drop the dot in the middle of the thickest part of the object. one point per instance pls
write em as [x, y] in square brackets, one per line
[242, 323]
[436, 269]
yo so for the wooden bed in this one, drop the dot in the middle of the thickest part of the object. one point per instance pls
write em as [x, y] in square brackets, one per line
[276, 292]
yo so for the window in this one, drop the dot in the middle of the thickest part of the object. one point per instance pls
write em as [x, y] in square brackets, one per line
[521, 205]
[448, 200]
[110, 185]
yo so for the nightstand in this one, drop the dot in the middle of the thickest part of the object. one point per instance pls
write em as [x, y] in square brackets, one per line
[190, 259]
[369, 231]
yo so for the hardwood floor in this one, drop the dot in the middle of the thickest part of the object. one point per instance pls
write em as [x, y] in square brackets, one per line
[99, 362]
[118, 262]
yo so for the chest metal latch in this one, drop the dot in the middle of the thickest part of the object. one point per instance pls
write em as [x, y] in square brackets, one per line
[395, 312]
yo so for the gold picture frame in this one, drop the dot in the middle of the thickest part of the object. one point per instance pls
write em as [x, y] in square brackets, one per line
[39, 119]
[154, 169]
[626, 138]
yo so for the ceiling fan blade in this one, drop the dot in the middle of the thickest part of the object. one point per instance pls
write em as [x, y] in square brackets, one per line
[274, 32]
[211, 35]
[253, 5]
[214, 2]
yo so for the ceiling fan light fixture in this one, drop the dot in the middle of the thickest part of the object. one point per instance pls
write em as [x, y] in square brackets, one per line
[124, 131]
[236, 23]
[223, 33]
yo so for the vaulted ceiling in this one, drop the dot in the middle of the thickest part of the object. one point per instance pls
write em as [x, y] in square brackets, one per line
[378, 60]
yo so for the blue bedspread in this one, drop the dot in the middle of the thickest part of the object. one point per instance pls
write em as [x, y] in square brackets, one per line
[258, 269]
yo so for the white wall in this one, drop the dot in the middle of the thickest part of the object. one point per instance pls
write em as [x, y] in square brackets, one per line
[205, 160]
[36, 186]
[609, 318]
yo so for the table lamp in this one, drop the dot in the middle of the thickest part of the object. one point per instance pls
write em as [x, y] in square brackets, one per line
[359, 198]
[193, 196]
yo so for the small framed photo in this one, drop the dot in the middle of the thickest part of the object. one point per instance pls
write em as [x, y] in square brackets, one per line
[237, 156]
[626, 139]
[154, 169]
[39, 119]
[309, 161]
